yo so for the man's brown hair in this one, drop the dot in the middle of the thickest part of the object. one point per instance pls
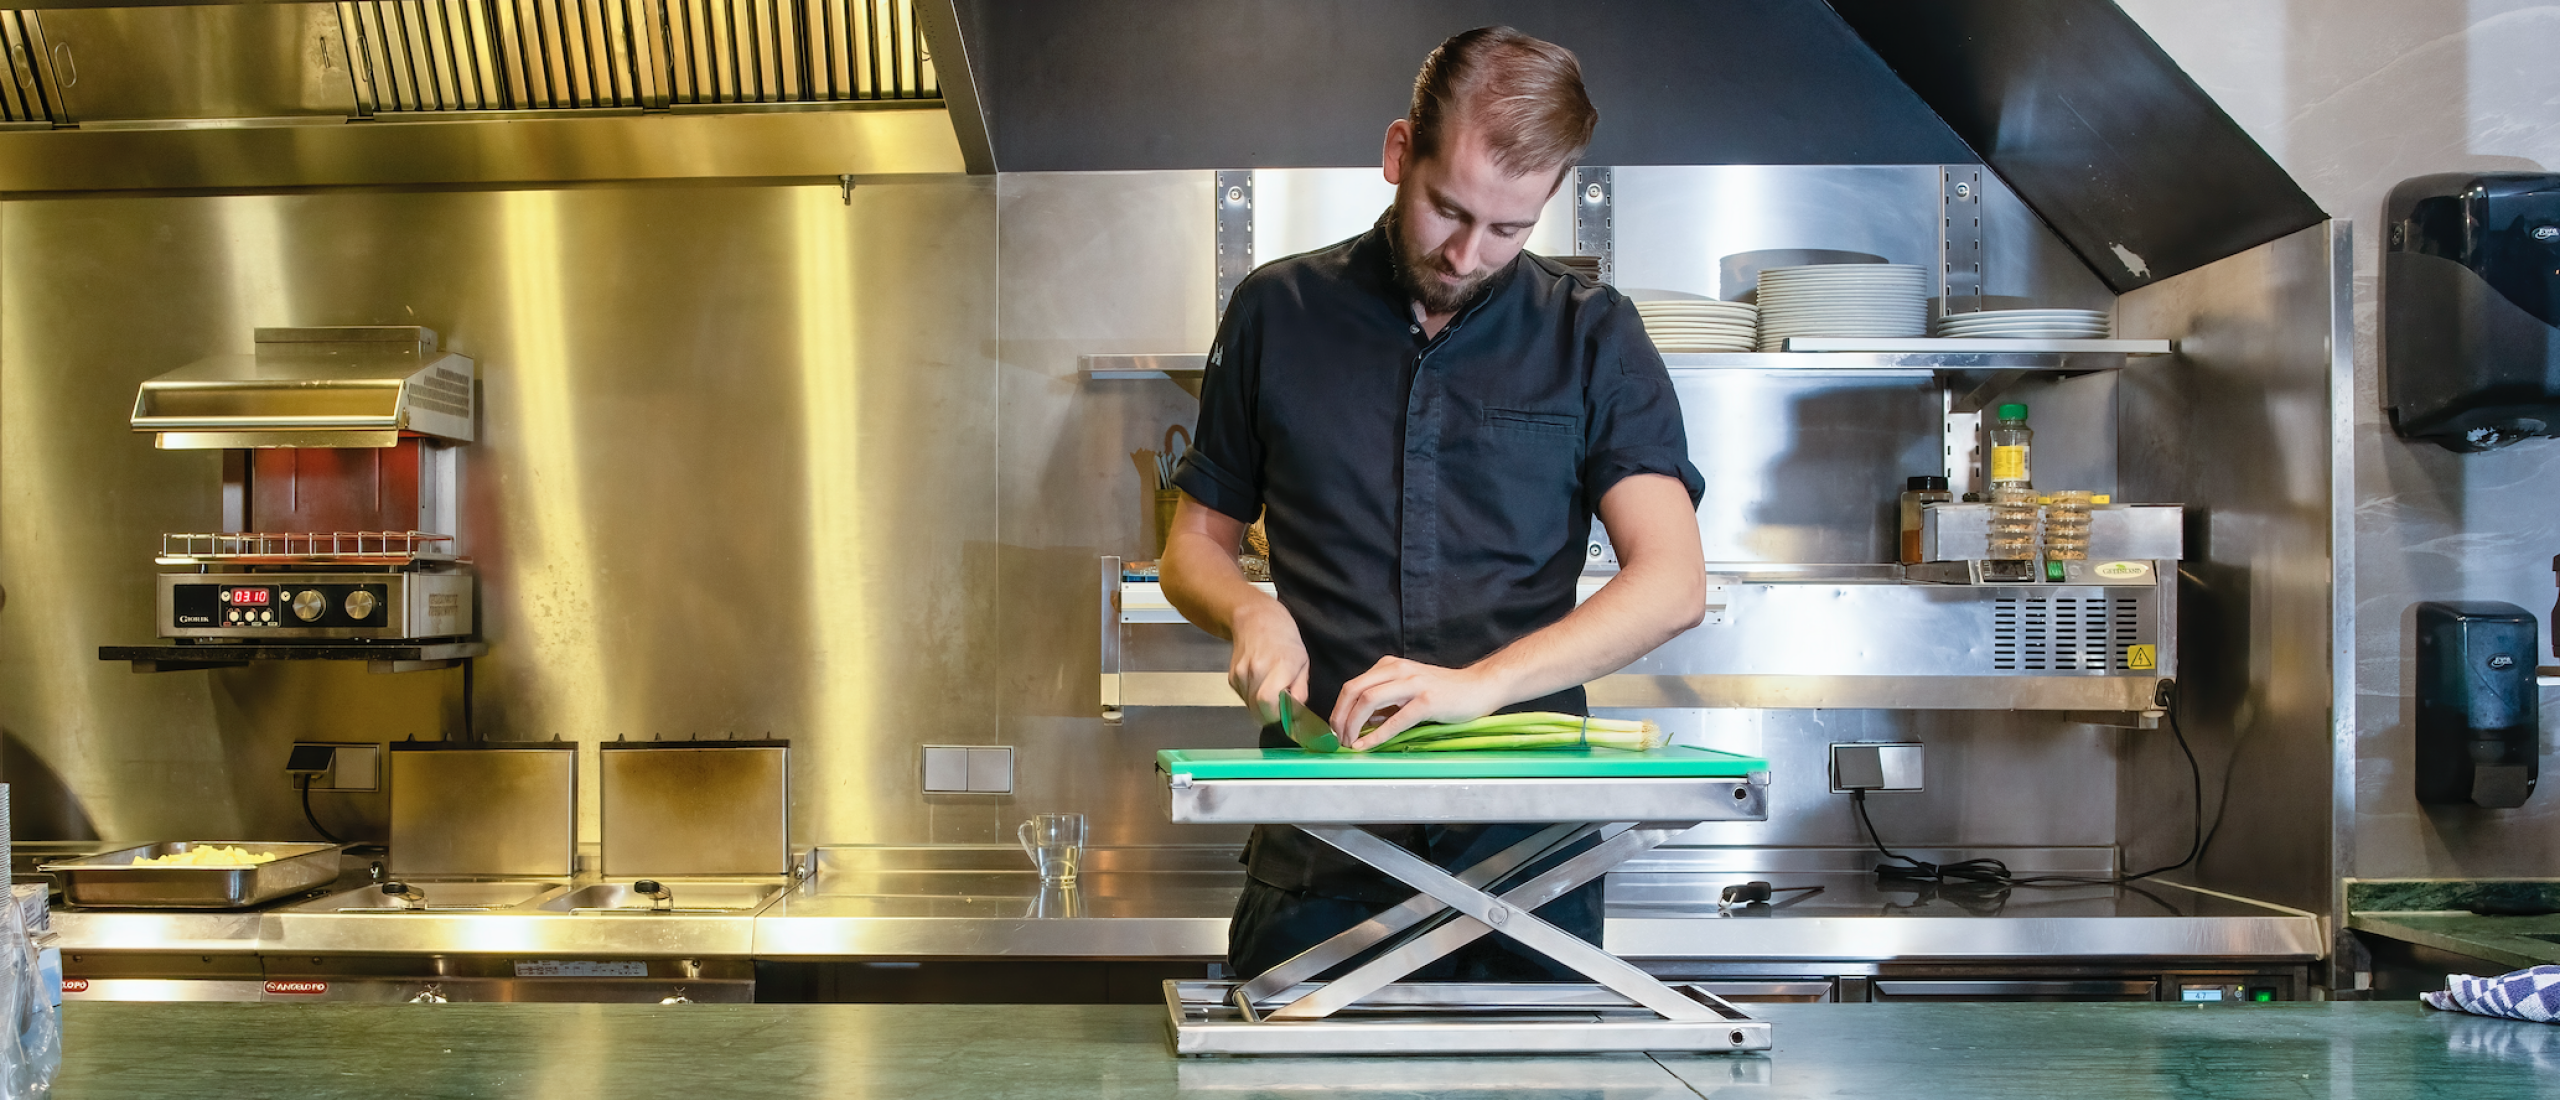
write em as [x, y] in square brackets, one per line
[1523, 94]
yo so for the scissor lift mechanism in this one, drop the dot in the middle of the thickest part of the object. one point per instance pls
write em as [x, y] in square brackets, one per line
[1370, 1010]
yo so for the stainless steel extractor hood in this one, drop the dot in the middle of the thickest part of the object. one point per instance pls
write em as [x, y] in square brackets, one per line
[314, 387]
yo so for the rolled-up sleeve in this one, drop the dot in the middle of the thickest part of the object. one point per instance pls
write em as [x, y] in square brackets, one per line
[1634, 414]
[1223, 469]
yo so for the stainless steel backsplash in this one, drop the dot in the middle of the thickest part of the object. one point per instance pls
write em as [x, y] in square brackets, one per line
[757, 461]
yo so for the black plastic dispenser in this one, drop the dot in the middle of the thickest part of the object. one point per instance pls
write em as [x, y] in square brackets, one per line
[2479, 712]
[2471, 308]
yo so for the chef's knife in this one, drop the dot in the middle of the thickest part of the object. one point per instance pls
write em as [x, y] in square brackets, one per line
[1306, 727]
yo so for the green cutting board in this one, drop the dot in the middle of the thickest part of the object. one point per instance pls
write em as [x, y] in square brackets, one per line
[1673, 761]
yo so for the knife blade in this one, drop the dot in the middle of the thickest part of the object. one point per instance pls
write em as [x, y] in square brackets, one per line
[1307, 729]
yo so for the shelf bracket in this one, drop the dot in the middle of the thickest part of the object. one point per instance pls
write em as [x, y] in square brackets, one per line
[1594, 226]
[1111, 639]
[1960, 239]
[1234, 233]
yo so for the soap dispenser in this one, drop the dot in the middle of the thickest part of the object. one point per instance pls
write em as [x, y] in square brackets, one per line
[2479, 710]
[2471, 308]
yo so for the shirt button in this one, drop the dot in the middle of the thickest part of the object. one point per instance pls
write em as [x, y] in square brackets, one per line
[1417, 330]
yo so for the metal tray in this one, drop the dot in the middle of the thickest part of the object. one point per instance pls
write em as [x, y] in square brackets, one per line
[110, 879]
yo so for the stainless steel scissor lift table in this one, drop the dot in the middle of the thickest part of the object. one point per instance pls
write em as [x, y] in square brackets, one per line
[1628, 802]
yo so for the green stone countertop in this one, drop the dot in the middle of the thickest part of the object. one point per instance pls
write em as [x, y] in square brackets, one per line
[2512, 942]
[2398, 1051]
[2438, 913]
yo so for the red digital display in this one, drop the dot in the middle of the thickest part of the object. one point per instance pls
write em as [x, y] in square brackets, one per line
[251, 597]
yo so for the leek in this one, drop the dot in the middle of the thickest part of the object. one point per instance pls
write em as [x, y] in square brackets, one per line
[1529, 730]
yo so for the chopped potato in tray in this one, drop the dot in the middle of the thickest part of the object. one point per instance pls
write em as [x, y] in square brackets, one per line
[209, 855]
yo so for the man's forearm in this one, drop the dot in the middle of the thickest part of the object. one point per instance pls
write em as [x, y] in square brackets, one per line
[1199, 571]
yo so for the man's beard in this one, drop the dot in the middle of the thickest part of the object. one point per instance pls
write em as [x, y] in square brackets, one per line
[1418, 276]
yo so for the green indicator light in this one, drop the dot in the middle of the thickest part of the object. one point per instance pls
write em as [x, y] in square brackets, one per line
[2053, 571]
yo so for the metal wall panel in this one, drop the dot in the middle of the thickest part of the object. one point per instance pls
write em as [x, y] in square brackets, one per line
[2237, 426]
[736, 476]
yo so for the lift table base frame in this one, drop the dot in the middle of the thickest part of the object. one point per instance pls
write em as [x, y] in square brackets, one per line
[1370, 1010]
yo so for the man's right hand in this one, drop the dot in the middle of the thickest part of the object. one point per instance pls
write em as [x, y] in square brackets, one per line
[1269, 658]
[1202, 580]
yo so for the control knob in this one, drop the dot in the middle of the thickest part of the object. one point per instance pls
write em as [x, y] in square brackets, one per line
[309, 605]
[360, 604]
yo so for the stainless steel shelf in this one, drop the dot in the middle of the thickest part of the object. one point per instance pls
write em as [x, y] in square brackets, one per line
[1956, 360]
[2104, 699]
[1803, 637]
[380, 656]
[1184, 369]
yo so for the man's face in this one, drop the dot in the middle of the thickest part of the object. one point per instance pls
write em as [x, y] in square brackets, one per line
[1458, 216]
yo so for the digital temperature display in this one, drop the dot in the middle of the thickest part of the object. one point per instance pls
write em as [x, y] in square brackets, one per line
[249, 597]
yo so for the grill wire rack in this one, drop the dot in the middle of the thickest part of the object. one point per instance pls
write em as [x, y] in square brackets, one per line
[377, 549]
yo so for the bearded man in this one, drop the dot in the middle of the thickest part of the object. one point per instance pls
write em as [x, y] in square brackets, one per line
[1427, 418]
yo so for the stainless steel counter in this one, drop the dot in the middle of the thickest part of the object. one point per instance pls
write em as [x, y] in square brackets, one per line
[1173, 902]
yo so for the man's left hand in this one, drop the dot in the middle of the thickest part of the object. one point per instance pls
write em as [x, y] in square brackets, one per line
[1409, 693]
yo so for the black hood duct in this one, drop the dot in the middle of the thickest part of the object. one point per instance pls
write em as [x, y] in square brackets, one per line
[2089, 122]
[1116, 85]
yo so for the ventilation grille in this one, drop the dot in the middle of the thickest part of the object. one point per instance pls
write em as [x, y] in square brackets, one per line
[443, 390]
[2064, 633]
[31, 94]
[413, 56]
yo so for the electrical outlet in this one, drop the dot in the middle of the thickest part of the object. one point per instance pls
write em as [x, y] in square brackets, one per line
[1875, 766]
[353, 766]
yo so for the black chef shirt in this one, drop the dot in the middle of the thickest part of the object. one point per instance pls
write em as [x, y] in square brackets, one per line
[1428, 497]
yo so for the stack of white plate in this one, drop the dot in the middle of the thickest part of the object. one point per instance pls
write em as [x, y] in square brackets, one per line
[1879, 300]
[2026, 324]
[1699, 324]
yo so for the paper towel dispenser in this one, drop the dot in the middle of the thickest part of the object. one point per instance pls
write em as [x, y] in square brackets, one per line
[2479, 710]
[2471, 308]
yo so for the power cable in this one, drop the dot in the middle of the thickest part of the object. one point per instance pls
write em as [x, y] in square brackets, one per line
[1994, 872]
[314, 818]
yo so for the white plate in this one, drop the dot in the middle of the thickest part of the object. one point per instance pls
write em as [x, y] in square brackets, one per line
[2074, 322]
[2023, 324]
[2040, 330]
[1868, 271]
[1843, 286]
[2022, 336]
[2040, 333]
[2031, 314]
[2048, 322]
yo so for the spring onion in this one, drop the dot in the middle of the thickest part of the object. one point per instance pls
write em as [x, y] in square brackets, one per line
[1530, 730]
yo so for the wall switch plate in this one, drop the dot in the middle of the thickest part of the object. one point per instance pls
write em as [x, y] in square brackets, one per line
[968, 769]
[1875, 766]
[990, 770]
[354, 766]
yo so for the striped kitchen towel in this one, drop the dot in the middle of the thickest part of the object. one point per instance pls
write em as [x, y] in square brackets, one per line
[2529, 994]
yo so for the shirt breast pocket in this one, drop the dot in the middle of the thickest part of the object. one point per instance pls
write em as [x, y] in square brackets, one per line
[1533, 421]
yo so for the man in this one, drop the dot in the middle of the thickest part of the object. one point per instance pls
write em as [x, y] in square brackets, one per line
[1428, 419]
